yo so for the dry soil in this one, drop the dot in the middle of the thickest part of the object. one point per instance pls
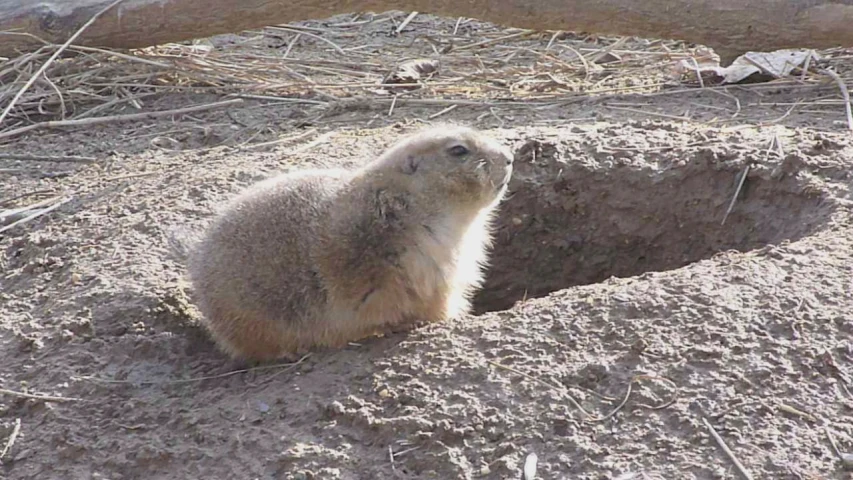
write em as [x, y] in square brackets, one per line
[620, 314]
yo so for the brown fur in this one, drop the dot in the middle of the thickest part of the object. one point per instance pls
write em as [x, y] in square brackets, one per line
[325, 257]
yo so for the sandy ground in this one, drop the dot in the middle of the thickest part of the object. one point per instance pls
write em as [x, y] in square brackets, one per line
[619, 316]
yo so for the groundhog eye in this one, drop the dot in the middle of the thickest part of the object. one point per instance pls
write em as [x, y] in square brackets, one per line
[458, 151]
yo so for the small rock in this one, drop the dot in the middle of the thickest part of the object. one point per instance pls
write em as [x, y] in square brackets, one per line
[847, 461]
[530, 466]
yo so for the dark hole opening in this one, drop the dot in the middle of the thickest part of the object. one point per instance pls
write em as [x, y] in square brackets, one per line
[580, 218]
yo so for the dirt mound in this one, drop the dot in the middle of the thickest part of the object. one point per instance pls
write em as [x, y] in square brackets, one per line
[603, 380]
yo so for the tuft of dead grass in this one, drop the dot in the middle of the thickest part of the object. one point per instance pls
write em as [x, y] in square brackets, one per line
[327, 63]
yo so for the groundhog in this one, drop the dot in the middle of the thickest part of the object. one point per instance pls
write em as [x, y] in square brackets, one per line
[320, 258]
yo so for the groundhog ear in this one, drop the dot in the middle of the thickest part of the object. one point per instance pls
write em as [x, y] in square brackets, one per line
[410, 166]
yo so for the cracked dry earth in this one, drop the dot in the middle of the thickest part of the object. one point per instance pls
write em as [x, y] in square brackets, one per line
[620, 313]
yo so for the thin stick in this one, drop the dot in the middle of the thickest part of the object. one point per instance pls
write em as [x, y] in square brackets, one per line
[199, 379]
[657, 149]
[15, 211]
[784, 116]
[117, 118]
[833, 444]
[845, 458]
[307, 34]
[317, 141]
[123, 56]
[618, 407]
[628, 396]
[737, 192]
[586, 67]
[729, 95]
[12, 438]
[456, 27]
[133, 99]
[462, 101]
[845, 94]
[53, 57]
[411, 449]
[62, 108]
[553, 38]
[644, 112]
[406, 21]
[547, 384]
[698, 72]
[291, 138]
[773, 141]
[34, 216]
[355, 22]
[499, 119]
[47, 158]
[806, 66]
[291, 44]
[739, 466]
[24, 195]
[46, 398]
[393, 104]
[795, 411]
[132, 175]
[604, 51]
[278, 99]
[495, 40]
[446, 110]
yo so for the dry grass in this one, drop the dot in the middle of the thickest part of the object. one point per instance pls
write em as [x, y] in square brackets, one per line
[344, 59]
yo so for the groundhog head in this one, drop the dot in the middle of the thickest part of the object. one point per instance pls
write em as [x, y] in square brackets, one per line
[455, 162]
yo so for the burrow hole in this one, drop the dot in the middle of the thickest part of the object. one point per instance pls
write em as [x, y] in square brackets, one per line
[580, 218]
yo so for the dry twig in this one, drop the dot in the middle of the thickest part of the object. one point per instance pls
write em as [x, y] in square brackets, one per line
[11, 441]
[737, 193]
[722, 444]
[286, 366]
[36, 214]
[44, 398]
[406, 22]
[845, 458]
[291, 138]
[795, 411]
[47, 158]
[845, 94]
[307, 34]
[118, 118]
[53, 57]
[590, 416]
[742, 180]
